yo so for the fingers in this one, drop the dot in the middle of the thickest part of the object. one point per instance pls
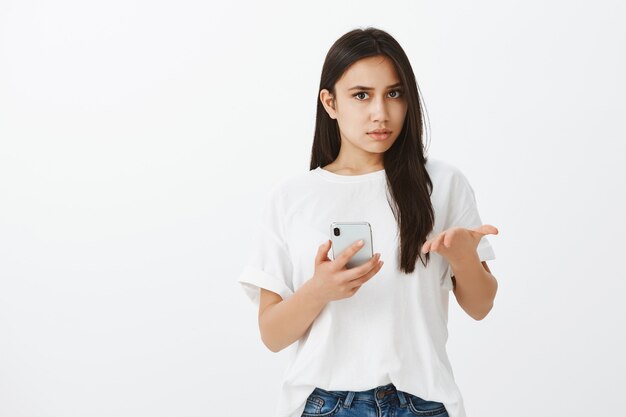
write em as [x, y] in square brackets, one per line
[433, 244]
[438, 241]
[446, 238]
[359, 271]
[322, 253]
[348, 253]
[486, 229]
[369, 273]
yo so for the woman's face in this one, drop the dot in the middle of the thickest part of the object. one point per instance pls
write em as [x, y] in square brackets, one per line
[368, 96]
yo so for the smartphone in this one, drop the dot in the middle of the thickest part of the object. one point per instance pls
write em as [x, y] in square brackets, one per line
[344, 234]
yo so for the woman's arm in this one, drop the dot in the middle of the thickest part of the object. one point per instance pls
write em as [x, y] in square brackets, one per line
[282, 322]
[474, 288]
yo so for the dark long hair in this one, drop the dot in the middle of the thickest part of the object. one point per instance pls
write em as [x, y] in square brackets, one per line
[408, 183]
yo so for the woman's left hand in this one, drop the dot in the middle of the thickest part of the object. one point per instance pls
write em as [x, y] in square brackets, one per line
[457, 244]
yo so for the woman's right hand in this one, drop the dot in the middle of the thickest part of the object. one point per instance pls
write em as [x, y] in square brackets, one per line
[333, 281]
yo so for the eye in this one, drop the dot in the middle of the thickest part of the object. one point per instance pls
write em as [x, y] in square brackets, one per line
[357, 95]
[398, 93]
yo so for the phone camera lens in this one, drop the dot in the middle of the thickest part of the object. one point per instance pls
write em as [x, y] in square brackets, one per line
[336, 231]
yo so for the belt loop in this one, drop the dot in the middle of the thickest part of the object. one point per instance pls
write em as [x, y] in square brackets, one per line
[403, 400]
[349, 398]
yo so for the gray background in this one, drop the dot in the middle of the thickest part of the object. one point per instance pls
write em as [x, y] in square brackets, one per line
[138, 137]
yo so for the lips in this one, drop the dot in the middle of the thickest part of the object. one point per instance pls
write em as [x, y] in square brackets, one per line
[380, 134]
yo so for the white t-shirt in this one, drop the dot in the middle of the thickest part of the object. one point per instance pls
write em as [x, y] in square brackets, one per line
[394, 328]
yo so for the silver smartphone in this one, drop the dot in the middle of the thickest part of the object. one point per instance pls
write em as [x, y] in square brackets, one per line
[344, 234]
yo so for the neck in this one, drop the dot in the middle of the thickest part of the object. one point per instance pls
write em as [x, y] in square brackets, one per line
[347, 166]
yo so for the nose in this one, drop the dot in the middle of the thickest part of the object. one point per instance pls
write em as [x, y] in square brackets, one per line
[379, 110]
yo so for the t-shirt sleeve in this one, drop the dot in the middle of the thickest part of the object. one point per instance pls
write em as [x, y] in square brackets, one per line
[463, 212]
[268, 264]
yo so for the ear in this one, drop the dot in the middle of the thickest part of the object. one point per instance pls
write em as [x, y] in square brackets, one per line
[328, 101]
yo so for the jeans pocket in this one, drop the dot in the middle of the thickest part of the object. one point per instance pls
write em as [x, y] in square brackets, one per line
[420, 407]
[321, 403]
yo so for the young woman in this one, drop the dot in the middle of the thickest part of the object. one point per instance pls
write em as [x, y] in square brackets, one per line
[370, 339]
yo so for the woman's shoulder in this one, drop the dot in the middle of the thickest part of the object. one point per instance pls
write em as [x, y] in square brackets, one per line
[291, 186]
[292, 182]
[450, 184]
[442, 171]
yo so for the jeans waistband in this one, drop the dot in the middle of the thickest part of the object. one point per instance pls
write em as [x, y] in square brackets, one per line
[380, 395]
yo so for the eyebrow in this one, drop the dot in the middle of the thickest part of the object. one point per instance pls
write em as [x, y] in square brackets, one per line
[360, 87]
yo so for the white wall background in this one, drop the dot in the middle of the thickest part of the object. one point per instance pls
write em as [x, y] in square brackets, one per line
[136, 137]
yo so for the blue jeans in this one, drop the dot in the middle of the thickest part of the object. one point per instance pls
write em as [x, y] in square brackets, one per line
[384, 401]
